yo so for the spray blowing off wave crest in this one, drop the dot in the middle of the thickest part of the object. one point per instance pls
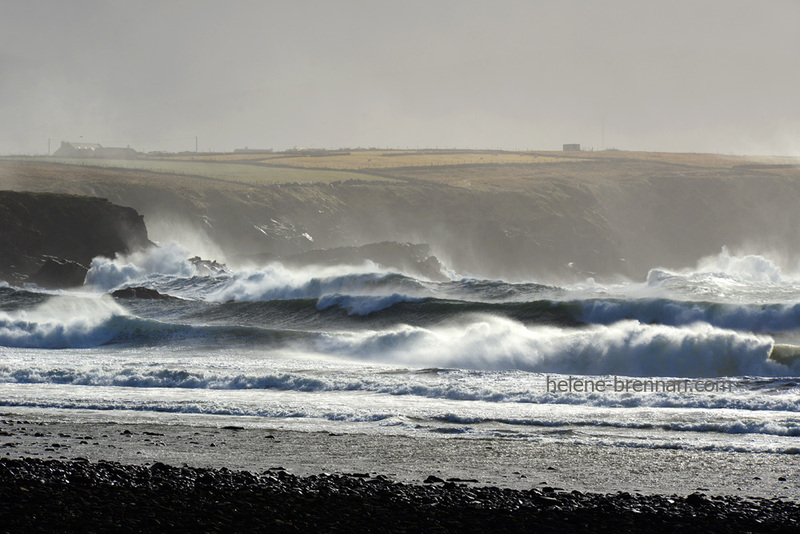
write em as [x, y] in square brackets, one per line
[725, 277]
[67, 322]
[172, 260]
[277, 282]
[168, 269]
[750, 268]
[626, 348]
[61, 322]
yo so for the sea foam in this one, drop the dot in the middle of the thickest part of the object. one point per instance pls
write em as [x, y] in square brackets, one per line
[106, 274]
[625, 348]
[278, 282]
[61, 322]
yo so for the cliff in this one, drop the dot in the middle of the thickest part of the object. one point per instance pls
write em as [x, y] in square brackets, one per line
[601, 214]
[50, 238]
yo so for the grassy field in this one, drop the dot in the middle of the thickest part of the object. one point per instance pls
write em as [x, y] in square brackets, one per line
[230, 172]
[361, 159]
[470, 169]
[388, 159]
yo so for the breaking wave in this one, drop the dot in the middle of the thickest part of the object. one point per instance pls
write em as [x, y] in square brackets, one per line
[625, 348]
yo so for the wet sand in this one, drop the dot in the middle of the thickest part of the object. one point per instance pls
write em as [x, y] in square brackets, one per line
[57, 475]
[508, 463]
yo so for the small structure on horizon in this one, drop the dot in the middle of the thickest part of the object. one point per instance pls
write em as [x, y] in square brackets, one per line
[248, 150]
[572, 147]
[93, 150]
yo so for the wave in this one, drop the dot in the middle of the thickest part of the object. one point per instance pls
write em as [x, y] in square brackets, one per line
[277, 282]
[204, 407]
[625, 348]
[167, 269]
[364, 304]
[446, 384]
[470, 424]
[61, 322]
[14, 298]
[760, 318]
[456, 339]
[492, 290]
[785, 427]
[727, 269]
[748, 268]
[68, 321]
[728, 278]
[300, 303]
[106, 274]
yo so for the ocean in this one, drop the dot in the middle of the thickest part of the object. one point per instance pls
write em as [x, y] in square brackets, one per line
[698, 359]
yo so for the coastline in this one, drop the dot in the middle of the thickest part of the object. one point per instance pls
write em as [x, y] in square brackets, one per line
[502, 462]
[137, 477]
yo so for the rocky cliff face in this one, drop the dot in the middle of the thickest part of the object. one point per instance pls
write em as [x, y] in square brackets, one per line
[41, 233]
[616, 215]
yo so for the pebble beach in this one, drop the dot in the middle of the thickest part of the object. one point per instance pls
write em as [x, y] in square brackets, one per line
[97, 477]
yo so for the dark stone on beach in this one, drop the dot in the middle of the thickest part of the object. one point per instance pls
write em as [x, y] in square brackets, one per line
[140, 293]
[158, 466]
[433, 480]
[695, 499]
[58, 273]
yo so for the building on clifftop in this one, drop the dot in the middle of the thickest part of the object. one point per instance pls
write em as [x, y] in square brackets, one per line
[93, 150]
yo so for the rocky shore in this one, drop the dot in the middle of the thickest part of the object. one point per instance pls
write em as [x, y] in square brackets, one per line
[81, 496]
[50, 239]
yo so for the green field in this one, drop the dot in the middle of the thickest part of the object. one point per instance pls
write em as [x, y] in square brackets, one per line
[230, 172]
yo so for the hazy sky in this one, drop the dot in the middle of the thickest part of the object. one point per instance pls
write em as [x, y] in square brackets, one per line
[701, 76]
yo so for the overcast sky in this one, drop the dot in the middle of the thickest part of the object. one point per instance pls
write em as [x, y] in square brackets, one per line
[699, 75]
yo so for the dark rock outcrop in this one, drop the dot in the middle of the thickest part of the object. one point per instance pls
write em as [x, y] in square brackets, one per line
[56, 273]
[47, 238]
[207, 267]
[140, 293]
